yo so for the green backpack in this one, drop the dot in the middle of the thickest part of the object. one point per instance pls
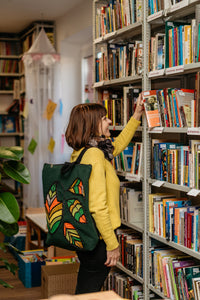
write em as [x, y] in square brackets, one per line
[66, 189]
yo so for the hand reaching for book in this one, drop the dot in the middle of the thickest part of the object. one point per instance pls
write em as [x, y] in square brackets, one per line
[139, 108]
[112, 257]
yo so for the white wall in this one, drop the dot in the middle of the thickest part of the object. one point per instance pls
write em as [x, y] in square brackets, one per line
[74, 41]
[74, 21]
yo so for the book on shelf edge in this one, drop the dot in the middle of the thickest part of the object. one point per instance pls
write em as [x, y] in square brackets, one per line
[152, 109]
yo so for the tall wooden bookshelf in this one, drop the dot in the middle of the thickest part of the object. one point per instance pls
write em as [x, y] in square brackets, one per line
[182, 76]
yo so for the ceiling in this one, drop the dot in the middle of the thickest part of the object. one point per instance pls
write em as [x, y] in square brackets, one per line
[15, 15]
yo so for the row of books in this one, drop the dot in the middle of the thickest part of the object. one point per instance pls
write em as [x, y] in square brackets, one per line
[131, 249]
[175, 219]
[120, 106]
[155, 6]
[125, 286]
[119, 60]
[177, 46]
[131, 206]
[129, 160]
[171, 107]
[59, 260]
[174, 274]
[157, 52]
[117, 14]
[9, 66]
[10, 48]
[181, 43]
[28, 41]
[6, 83]
[176, 163]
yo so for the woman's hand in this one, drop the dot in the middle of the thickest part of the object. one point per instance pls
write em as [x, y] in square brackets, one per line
[139, 108]
[112, 257]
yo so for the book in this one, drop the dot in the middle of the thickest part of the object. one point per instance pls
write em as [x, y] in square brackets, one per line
[130, 95]
[190, 273]
[135, 207]
[151, 107]
[169, 214]
[153, 198]
[184, 98]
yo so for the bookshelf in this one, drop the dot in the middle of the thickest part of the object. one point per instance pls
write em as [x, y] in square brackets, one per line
[12, 88]
[180, 76]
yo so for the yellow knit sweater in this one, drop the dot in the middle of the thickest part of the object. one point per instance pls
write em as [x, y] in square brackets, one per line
[104, 185]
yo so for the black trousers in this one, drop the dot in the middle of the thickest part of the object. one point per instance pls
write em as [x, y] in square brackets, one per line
[92, 271]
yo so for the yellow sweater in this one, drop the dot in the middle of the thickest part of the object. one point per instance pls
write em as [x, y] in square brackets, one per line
[104, 185]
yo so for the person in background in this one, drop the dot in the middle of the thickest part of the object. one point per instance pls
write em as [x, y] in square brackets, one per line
[89, 127]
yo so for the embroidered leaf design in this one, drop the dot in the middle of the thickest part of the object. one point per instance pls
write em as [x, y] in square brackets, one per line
[77, 187]
[76, 209]
[53, 209]
[72, 235]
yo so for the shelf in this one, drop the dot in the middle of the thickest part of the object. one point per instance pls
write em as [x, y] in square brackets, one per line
[119, 128]
[156, 291]
[129, 273]
[9, 57]
[133, 177]
[168, 185]
[156, 17]
[175, 11]
[10, 74]
[175, 130]
[126, 32]
[181, 9]
[119, 81]
[6, 134]
[179, 247]
[175, 71]
[135, 227]
[4, 92]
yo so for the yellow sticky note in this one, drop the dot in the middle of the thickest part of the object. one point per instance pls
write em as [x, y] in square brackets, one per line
[51, 106]
[51, 145]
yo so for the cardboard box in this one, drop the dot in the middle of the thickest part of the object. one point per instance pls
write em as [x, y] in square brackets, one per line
[56, 251]
[108, 295]
[59, 279]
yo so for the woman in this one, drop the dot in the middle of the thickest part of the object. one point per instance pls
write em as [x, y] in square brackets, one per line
[89, 127]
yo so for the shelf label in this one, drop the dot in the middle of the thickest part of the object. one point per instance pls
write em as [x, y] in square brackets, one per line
[133, 177]
[193, 131]
[179, 5]
[156, 73]
[155, 16]
[174, 70]
[158, 183]
[156, 130]
[193, 192]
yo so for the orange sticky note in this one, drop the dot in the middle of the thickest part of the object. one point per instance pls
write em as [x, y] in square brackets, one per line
[51, 145]
[51, 106]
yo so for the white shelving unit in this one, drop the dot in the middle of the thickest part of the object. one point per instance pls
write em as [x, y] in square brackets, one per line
[154, 22]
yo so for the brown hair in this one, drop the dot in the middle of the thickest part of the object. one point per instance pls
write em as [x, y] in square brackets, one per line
[84, 124]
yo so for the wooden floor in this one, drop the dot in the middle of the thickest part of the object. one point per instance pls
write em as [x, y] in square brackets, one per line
[18, 292]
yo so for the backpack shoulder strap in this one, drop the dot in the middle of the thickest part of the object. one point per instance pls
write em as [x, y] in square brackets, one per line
[67, 166]
[78, 160]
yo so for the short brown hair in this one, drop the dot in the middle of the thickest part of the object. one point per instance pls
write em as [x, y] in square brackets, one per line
[84, 124]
